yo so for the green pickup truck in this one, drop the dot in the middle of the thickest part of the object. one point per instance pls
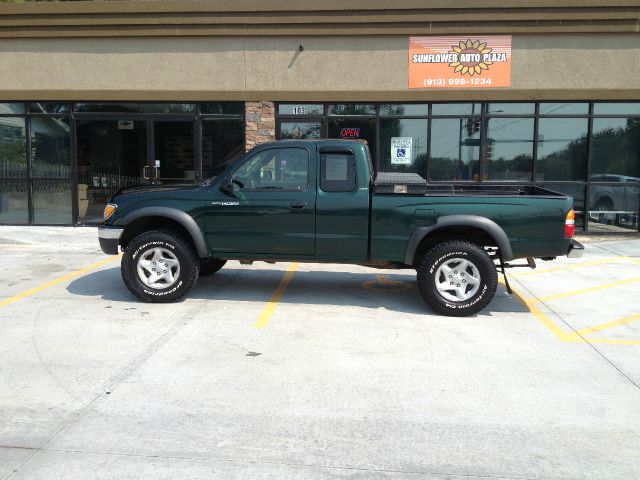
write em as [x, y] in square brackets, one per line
[318, 201]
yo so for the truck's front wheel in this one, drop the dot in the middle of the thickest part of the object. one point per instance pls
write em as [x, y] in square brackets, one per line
[159, 267]
[457, 278]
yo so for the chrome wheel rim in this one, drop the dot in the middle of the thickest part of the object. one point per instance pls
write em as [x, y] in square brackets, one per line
[158, 268]
[457, 280]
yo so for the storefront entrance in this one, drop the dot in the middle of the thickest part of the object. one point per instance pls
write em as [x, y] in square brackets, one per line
[116, 153]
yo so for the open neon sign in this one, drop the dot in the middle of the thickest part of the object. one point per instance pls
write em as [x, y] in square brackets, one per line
[350, 133]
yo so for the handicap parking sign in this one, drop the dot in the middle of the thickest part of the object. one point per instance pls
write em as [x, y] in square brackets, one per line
[401, 150]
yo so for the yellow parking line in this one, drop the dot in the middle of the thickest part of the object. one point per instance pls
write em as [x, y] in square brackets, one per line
[52, 283]
[569, 267]
[590, 289]
[264, 317]
[607, 325]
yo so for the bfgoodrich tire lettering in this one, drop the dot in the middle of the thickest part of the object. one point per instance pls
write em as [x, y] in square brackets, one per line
[178, 264]
[457, 278]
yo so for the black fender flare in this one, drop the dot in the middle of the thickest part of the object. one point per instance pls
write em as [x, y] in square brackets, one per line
[490, 227]
[179, 216]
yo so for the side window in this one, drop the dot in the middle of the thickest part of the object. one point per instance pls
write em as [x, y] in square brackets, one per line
[285, 169]
[337, 172]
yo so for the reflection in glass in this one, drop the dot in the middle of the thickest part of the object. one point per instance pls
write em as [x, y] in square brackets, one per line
[299, 130]
[575, 190]
[111, 155]
[136, 107]
[175, 156]
[300, 109]
[509, 149]
[14, 206]
[49, 107]
[455, 108]
[455, 149]
[406, 109]
[52, 202]
[626, 108]
[50, 151]
[13, 158]
[416, 129]
[355, 128]
[562, 149]
[11, 108]
[511, 108]
[615, 207]
[556, 108]
[352, 109]
[615, 146]
[223, 108]
[222, 145]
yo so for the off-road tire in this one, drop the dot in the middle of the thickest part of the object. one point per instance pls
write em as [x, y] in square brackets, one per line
[209, 266]
[176, 245]
[445, 254]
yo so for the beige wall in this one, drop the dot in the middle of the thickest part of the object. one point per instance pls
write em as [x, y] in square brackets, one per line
[272, 68]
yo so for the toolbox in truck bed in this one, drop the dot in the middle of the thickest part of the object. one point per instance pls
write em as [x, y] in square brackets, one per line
[394, 182]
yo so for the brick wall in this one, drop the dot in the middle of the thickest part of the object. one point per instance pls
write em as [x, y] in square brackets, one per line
[260, 123]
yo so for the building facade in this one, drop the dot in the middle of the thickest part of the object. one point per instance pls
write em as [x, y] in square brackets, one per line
[95, 96]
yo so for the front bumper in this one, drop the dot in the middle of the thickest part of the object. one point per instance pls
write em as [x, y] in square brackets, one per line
[576, 249]
[109, 238]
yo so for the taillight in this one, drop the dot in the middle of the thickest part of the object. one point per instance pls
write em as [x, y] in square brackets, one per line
[570, 224]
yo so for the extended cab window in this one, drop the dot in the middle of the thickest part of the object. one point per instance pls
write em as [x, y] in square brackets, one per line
[285, 169]
[337, 172]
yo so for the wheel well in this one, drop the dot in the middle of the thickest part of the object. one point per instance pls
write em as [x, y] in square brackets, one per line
[467, 234]
[147, 224]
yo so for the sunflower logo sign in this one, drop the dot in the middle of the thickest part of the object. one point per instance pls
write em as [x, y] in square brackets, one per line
[460, 62]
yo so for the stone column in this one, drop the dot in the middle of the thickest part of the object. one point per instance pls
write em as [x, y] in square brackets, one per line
[260, 123]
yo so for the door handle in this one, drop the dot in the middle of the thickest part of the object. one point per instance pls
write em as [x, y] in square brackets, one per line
[298, 205]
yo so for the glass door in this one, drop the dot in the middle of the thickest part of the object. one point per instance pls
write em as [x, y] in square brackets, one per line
[111, 154]
[173, 159]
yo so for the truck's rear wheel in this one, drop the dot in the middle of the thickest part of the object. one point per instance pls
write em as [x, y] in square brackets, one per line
[159, 267]
[457, 278]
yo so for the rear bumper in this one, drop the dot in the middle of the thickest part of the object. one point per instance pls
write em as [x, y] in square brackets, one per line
[109, 238]
[576, 249]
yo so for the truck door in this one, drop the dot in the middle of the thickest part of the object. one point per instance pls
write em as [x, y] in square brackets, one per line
[272, 208]
[342, 208]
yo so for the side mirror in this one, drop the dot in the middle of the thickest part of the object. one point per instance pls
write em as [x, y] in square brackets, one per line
[227, 186]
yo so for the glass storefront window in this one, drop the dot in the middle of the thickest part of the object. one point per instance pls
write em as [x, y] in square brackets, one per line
[352, 109]
[455, 109]
[299, 130]
[136, 107]
[404, 109]
[52, 202]
[14, 205]
[300, 109]
[355, 128]
[509, 149]
[622, 108]
[222, 145]
[556, 108]
[414, 129]
[50, 147]
[615, 147]
[13, 159]
[222, 108]
[511, 108]
[11, 108]
[615, 208]
[455, 149]
[562, 149]
[49, 107]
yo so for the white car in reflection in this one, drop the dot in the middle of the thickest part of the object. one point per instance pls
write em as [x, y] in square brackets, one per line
[609, 201]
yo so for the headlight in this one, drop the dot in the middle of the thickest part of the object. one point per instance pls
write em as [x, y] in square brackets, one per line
[109, 209]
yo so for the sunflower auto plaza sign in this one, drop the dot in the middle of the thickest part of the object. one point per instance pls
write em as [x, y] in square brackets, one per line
[460, 62]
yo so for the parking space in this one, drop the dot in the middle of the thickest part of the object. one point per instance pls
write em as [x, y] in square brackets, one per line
[301, 370]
